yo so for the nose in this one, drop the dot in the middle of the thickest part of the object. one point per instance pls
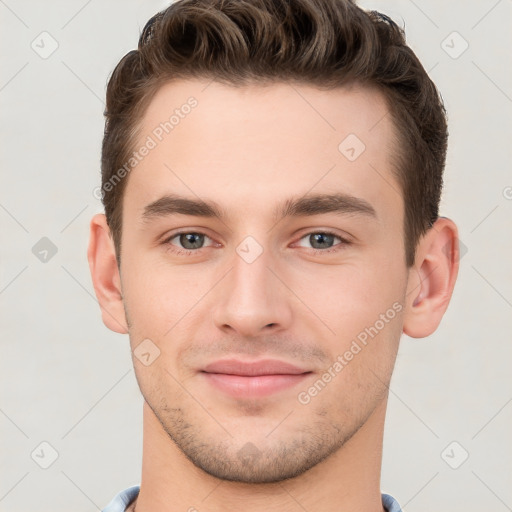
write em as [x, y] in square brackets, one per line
[251, 299]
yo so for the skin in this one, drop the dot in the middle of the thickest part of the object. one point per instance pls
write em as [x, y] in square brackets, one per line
[249, 149]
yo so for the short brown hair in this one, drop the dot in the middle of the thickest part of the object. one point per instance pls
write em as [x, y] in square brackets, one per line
[325, 43]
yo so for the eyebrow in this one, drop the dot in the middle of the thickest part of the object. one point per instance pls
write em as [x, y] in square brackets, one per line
[308, 205]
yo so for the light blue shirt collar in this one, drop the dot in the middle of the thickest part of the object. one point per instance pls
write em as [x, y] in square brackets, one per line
[124, 498]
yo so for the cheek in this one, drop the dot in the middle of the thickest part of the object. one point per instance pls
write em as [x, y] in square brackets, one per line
[363, 307]
[351, 294]
[166, 304]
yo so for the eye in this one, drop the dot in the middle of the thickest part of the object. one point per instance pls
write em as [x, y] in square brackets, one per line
[191, 242]
[187, 242]
[322, 241]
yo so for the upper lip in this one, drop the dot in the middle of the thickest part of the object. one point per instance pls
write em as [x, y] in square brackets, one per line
[254, 368]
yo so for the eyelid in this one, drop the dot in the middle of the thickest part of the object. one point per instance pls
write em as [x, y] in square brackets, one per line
[167, 238]
[344, 240]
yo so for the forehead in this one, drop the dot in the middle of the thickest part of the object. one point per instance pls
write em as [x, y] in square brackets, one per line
[252, 146]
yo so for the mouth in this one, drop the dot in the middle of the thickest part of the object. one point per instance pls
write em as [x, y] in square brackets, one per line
[242, 379]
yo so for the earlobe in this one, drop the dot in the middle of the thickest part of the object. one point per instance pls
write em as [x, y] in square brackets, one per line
[105, 275]
[432, 279]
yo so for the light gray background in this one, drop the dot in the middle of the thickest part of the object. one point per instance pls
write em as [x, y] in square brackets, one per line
[68, 381]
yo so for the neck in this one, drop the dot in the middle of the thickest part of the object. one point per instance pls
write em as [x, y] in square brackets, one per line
[347, 480]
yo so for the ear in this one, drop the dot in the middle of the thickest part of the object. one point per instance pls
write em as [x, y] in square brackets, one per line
[105, 275]
[432, 279]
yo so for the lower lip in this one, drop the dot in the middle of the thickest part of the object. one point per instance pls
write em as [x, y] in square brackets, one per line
[240, 386]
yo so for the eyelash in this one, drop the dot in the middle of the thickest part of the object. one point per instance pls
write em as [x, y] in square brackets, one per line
[190, 252]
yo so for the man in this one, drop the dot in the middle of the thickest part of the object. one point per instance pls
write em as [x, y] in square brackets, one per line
[271, 175]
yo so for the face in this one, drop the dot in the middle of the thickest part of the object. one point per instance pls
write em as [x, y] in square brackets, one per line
[270, 313]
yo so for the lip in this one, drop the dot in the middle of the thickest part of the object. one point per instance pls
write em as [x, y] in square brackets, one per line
[242, 379]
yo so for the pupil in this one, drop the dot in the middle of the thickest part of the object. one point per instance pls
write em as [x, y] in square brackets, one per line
[195, 239]
[322, 238]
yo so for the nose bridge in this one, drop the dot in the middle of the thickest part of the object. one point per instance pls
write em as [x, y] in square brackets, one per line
[251, 297]
[250, 274]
